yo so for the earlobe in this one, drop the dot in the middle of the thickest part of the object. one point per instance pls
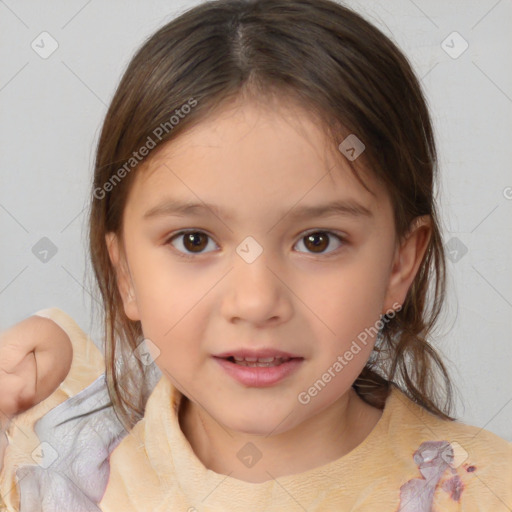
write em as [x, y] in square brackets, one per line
[408, 258]
[123, 278]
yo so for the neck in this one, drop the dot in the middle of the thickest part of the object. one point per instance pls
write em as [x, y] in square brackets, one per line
[321, 439]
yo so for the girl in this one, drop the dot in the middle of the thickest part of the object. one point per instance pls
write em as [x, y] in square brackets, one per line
[265, 239]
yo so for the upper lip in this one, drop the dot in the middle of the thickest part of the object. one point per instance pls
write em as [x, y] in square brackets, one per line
[261, 353]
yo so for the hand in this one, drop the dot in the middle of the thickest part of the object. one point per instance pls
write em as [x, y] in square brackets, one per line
[18, 375]
[35, 357]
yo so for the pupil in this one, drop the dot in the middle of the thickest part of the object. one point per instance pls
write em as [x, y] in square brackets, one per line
[194, 239]
[318, 243]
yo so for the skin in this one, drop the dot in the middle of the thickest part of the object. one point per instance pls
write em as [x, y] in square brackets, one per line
[35, 357]
[262, 162]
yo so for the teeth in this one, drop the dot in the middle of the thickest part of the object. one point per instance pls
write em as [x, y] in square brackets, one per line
[260, 361]
[264, 359]
[254, 359]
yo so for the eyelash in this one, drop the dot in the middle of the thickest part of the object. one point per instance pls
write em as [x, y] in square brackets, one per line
[341, 238]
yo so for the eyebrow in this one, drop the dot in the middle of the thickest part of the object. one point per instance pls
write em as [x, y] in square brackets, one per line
[178, 208]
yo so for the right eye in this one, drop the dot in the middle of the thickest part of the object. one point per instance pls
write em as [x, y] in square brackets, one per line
[191, 240]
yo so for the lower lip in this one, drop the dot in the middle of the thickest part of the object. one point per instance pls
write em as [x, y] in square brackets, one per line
[259, 376]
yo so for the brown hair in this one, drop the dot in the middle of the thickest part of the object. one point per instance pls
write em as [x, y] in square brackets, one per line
[339, 67]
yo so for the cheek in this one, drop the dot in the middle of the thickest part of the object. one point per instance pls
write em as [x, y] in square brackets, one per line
[165, 289]
[348, 303]
[349, 298]
[172, 307]
[178, 333]
[368, 277]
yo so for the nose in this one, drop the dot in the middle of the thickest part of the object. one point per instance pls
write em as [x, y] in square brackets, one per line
[256, 293]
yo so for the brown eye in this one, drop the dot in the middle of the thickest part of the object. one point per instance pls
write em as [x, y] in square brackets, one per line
[318, 241]
[193, 242]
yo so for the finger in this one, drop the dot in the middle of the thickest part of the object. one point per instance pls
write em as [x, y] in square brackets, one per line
[11, 355]
[27, 371]
[18, 387]
[12, 387]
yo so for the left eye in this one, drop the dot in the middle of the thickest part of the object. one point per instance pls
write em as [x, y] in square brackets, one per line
[318, 241]
[194, 242]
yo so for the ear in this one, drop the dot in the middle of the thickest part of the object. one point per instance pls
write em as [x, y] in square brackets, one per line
[408, 257]
[123, 277]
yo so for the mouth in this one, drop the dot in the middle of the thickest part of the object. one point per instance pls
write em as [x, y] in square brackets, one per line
[263, 355]
[261, 370]
[259, 361]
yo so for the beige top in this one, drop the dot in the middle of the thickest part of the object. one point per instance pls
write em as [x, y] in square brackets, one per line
[411, 461]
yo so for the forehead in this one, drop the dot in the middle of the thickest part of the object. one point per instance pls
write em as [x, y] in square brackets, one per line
[254, 154]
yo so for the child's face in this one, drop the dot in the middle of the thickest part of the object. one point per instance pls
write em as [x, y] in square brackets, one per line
[309, 297]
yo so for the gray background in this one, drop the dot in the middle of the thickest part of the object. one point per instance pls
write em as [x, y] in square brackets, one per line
[52, 109]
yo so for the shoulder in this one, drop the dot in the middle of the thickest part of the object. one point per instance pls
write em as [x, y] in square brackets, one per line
[131, 473]
[468, 464]
[134, 472]
[418, 423]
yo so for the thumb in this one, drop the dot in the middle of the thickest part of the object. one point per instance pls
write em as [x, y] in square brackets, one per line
[18, 387]
[27, 373]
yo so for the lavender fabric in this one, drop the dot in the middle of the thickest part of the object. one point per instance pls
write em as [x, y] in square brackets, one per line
[77, 438]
